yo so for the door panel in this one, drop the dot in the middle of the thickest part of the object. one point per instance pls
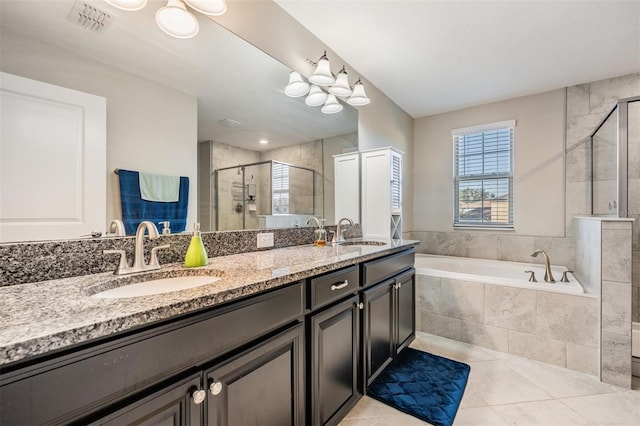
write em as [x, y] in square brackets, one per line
[406, 315]
[378, 328]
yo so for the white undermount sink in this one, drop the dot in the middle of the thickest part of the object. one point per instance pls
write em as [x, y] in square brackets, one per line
[157, 286]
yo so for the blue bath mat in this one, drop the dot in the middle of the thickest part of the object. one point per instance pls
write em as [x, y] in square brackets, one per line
[423, 385]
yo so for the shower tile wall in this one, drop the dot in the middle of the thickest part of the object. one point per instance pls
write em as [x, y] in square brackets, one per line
[587, 105]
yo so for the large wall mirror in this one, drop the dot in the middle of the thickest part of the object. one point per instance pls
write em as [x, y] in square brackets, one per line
[197, 107]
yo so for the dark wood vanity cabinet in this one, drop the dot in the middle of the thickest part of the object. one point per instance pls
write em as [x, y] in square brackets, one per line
[264, 385]
[299, 354]
[389, 310]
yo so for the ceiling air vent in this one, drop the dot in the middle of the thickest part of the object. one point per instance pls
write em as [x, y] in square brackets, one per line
[89, 16]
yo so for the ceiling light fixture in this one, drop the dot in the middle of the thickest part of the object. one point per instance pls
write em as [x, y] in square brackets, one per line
[336, 86]
[174, 18]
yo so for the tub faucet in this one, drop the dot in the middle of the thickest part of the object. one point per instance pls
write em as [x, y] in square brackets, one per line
[338, 237]
[548, 276]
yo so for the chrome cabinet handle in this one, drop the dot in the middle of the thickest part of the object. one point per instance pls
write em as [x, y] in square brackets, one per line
[198, 396]
[340, 286]
[532, 277]
[215, 388]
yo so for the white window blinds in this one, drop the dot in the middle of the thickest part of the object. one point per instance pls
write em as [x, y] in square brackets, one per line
[483, 176]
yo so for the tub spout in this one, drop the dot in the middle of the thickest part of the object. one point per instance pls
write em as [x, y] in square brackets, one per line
[548, 276]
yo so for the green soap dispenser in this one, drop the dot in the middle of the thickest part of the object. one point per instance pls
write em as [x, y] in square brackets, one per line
[196, 253]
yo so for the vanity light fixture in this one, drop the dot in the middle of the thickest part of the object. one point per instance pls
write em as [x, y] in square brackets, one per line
[336, 86]
[129, 5]
[316, 96]
[331, 106]
[322, 76]
[358, 97]
[174, 18]
[297, 86]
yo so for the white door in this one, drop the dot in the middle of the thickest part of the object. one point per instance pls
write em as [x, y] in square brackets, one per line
[52, 161]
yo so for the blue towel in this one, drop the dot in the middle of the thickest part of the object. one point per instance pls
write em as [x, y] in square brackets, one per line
[135, 209]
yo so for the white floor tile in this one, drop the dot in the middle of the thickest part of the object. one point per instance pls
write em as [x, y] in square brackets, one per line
[479, 416]
[559, 382]
[543, 413]
[622, 408]
[497, 383]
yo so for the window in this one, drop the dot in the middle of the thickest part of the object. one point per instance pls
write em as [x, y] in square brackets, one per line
[280, 188]
[483, 176]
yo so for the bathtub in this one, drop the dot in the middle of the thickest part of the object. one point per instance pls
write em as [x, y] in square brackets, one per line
[495, 272]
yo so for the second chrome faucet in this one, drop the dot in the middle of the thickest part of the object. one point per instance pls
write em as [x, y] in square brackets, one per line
[139, 264]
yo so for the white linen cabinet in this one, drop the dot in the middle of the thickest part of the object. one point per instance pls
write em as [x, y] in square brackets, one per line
[381, 181]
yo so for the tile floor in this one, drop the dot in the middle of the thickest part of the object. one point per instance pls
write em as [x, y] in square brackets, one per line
[507, 390]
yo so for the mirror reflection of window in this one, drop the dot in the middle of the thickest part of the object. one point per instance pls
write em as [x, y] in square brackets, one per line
[280, 188]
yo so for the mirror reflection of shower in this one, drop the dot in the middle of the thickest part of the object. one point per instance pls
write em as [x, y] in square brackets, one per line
[266, 194]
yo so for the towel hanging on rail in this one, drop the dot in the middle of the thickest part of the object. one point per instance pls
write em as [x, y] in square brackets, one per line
[135, 209]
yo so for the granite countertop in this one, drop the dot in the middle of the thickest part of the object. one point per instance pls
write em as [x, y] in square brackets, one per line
[45, 316]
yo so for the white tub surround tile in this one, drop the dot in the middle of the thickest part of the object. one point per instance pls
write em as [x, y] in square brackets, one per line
[561, 251]
[495, 338]
[616, 308]
[440, 325]
[515, 248]
[481, 245]
[568, 318]
[584, 359]
[427, 293]
[461, 299]
[538, 348]
[616, 254]
[616, 360]
[509, 307]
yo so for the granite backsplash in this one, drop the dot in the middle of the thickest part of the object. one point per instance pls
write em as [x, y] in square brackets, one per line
[22, 263]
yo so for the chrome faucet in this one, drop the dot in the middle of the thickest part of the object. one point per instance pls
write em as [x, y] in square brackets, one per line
[548, 276]
[338, 237]
[139, 264]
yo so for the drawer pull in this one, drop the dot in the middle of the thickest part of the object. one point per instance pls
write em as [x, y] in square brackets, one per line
[198, 396]
[340, 286]
[215, 388]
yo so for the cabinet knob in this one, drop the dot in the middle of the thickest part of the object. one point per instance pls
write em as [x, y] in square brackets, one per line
[340, 286]
[199, 396]
[360, 305]
[215, 388]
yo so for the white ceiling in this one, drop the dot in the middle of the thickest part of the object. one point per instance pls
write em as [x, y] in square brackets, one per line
[230, 77]
[436, 56]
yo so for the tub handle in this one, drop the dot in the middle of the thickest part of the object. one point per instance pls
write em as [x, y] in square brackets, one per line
[564, 278]
[532, 277]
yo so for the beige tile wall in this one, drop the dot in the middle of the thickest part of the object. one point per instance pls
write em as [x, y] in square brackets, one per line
[555, 328]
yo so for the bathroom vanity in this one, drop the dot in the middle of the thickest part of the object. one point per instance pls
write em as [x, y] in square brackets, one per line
[286, 336]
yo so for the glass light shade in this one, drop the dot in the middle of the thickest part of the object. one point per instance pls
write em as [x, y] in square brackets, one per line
[322, 75]
[341, 87]
[175, 20]
[297, 86]
[316, 96]
[209, 7]
[358, 97]
[331, 106]
[130, 5]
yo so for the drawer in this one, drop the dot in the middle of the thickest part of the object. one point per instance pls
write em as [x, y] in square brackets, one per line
[73, 385]
[333, 286]
[388, 266]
